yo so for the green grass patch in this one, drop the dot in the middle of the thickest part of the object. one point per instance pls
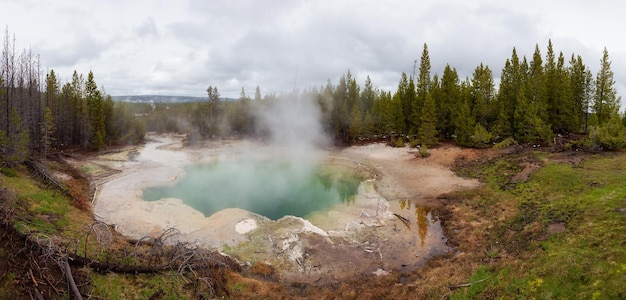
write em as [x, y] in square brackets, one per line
[477, 284]
[587, 260]
[238, 287]
[496, 173]
[8, 172]
[41, 209]
[91, 169]
[48, 214]
[141, 286]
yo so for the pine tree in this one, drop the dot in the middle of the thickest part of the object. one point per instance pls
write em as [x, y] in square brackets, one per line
[52, 100]
[48, 128]
[381, 114]
[67, 116]
[529, 127]
[605, 101]
[396, 116]
[52, 91]
[213, 93]
[356, 124]
[96, 116]
[423, 84]
[536, 81]
[353, 93]
[483, 93]
[368, 96]
[243, 123]
[368, 125]
[427, 132]
[214, 111]
[581, 90]
[405, 96]
[402, 96]
[242, 95]
[449, 99]
[80, 111]
[108, 112]
[568, 121]
[558, 99]
[257, 94]
[340, 116]
[464, 124]
[18, 140]
[510, 83]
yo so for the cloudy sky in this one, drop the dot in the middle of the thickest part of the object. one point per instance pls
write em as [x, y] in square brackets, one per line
[182, 47]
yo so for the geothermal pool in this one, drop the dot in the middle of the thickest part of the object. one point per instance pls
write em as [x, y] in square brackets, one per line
[340, 214]
[271, 188]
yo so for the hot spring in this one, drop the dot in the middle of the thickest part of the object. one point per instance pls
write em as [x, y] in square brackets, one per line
[237, 196]
[270, 187]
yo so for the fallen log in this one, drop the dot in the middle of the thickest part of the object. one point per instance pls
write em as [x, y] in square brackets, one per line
[42, 173]
[70, 279]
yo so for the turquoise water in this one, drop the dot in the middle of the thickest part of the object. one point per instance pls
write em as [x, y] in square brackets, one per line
[266, 187]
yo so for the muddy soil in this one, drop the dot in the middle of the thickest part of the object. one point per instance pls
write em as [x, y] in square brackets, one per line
[392, 226]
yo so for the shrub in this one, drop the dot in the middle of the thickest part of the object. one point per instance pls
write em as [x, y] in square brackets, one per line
[611, 135]
[424, 152]
[506, 143]
[396, 142]
[481, 137]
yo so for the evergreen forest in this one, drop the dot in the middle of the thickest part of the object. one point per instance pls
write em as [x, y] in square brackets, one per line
[40, 115]
[539, 100]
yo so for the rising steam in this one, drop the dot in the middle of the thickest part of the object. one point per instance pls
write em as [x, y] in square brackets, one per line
[277, 178]
[294, 125]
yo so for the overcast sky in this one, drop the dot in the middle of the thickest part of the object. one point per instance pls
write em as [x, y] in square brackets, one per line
[182, 47]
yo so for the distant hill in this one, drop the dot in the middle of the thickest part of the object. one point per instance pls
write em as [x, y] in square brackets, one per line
[161, 99]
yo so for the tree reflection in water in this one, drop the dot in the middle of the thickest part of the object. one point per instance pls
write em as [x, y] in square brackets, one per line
[423, 217]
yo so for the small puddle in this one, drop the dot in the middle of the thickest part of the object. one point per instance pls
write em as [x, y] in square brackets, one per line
[271, 188]
[418, 218]
[420, 233]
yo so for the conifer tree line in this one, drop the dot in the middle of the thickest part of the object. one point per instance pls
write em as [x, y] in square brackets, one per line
[538, 98]
[40, 115]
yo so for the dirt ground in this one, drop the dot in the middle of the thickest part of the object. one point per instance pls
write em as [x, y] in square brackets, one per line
[393, 226]
[405, 175]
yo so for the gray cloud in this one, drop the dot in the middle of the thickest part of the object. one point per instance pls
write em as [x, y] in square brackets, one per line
[181, 48]
[81, 47]
[147, 28]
